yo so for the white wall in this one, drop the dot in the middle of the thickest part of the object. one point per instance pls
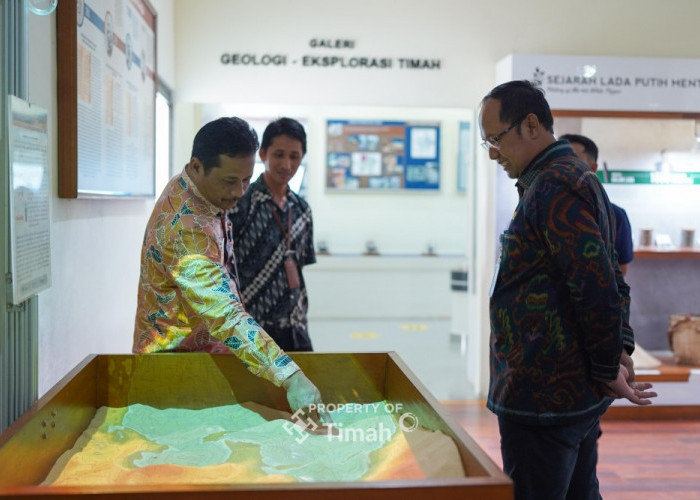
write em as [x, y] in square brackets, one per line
[95, 255]
[165, 49]
[470, 36]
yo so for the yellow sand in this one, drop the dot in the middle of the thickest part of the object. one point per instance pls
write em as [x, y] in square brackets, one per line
[248, 444]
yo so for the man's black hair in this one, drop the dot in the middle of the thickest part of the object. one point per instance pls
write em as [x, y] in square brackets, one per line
[229, 136]
[519, 98]
[589, 146]
[284, 126]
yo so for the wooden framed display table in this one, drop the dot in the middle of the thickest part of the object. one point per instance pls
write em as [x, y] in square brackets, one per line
[30, 447]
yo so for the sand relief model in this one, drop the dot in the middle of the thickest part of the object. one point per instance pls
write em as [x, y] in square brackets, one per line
[250, 443]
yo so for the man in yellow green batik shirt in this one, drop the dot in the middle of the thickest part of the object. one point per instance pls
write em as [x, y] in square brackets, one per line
[188, 298]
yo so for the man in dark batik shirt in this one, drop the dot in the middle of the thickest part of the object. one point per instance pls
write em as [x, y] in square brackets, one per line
[273, 239]
[560, 339]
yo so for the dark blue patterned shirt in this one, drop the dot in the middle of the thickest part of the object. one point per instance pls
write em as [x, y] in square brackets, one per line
[560, 306]
[623, 236]
[260, 246]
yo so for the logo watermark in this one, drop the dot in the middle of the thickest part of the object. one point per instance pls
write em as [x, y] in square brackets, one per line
[303, 425]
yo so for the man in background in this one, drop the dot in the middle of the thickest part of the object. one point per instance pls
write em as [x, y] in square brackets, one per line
[587, 150]
[273, 239]
[559, 305]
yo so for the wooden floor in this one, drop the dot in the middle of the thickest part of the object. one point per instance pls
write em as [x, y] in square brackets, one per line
[638, 460]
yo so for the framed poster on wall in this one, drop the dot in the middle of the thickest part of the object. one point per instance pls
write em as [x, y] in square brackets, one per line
[106, 57]
[372, 155]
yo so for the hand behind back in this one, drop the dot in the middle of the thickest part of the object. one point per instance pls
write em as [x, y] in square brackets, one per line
[635, 392]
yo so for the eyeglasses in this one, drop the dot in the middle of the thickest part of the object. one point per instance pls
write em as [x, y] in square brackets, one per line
[495, 141]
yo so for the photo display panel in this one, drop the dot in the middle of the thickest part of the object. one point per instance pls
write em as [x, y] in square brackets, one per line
[382, 155]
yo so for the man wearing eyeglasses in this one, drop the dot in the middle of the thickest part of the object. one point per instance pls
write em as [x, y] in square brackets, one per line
[559, 305]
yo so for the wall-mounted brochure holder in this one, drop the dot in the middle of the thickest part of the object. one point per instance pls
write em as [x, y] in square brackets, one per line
[30, 220]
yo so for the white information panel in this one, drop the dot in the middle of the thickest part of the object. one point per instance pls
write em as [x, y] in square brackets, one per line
[29, 199]
[609, 83]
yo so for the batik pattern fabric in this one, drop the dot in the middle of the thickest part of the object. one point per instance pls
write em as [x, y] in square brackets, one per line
[559, 306]
[188, 300]
[260, 248]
